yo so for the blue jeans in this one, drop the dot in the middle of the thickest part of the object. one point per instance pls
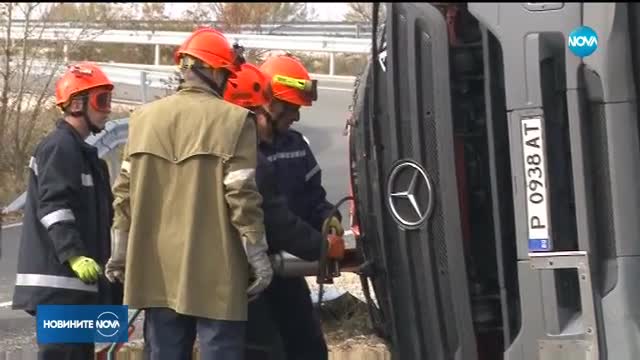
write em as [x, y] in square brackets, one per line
[170, 336]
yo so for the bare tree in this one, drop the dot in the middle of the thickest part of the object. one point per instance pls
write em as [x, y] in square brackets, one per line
[230, 18]
[362, 12]
[232, 15]
[152, 14]
[81, 13]
[30, 64]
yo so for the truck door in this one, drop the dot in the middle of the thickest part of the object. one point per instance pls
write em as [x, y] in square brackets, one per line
[574, 151]
[404, 180]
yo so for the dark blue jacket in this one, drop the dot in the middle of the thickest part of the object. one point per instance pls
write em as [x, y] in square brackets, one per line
[68, 212]
[285, 231]
[299, 176]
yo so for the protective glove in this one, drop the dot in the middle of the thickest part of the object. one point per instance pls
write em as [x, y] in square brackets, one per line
[333, 223]
[256, 250]
[114, 269]
[335, 250]
[85, 268]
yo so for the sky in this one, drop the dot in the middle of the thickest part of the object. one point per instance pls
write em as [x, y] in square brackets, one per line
[325, 11]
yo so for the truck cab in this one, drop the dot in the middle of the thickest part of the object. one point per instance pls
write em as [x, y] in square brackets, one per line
[492, 168]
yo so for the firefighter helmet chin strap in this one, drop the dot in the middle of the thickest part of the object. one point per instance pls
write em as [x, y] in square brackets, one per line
[271, 122]
[219, 90]
[84, 114]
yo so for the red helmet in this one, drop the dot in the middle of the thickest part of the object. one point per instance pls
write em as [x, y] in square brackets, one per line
[82, 77]
[211, 47]
[250, 88]
[290, 81]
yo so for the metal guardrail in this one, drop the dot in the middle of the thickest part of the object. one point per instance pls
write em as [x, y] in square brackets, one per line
[155, 76]
[174, 38]
[314, 28]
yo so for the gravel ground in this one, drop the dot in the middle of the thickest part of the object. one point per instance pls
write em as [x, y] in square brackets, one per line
[20, 344]
[348, 282]
[345, 321]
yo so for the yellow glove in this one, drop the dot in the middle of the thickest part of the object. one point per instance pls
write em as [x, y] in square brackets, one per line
[333, 223]
[85, 268]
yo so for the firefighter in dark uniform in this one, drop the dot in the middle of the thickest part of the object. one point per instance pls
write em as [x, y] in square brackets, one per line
[68, 213]
[299, 179]
[285, 231]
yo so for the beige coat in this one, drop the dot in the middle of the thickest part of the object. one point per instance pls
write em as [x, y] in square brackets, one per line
[186, 193]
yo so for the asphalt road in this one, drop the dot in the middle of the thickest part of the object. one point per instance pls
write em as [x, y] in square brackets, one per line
[322, 124]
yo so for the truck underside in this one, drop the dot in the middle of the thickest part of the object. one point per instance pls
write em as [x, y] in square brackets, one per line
[469, 254]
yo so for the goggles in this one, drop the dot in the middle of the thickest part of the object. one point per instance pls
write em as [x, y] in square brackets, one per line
[100, 100]
[308, 88]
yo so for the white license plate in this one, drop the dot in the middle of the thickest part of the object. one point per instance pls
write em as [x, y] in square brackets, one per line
[533, 148]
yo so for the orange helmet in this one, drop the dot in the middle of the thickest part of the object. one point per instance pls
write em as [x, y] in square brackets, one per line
[249, 88]
[78, 78]
[211, 47]
[290, 81]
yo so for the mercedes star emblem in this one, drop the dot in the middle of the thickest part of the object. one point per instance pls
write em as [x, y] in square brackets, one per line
[409, 194]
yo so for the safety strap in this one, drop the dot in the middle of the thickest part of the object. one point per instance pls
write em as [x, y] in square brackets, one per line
[84, 114]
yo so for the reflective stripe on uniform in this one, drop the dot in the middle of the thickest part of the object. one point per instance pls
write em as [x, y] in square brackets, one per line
[87, 179]
[312, 172]
[33, 165]
[56, 217]
[239, 175]
[126, 166]
[52, 281]
[287, 155]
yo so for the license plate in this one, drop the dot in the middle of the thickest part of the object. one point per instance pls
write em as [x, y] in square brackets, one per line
[533, 149]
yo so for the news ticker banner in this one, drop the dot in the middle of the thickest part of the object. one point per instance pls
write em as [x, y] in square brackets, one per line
[82, 324]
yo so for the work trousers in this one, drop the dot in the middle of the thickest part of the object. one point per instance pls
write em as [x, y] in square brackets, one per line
[66, 352]
[263, 336]
[171, 336]
[290, 304]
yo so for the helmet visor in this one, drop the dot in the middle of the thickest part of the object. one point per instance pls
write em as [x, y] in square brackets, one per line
[307, 88]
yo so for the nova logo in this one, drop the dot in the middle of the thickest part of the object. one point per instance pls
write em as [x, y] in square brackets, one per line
[583, 41]
[107, 324]
[82, 324]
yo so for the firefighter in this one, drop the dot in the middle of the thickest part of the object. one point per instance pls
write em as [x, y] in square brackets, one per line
[299, 179]
[250, 89]
[188, 222]
[285, 231]
[68, 213]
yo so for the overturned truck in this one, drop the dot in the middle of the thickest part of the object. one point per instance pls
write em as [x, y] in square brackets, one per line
[495, 181]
